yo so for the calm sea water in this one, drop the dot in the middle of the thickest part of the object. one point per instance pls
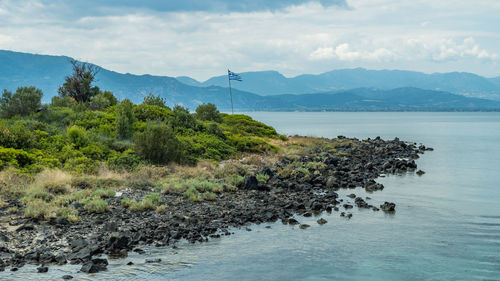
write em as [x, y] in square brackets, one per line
[446, 226]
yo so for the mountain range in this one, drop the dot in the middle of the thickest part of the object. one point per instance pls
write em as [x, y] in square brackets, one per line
[348, 89]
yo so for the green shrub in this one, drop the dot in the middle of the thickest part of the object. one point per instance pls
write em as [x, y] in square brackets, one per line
[62, 101]
[149, 202]
[154, 100]
[125, 119]
[16, 135]
[158, 144]
[82, 165]
[192, 194]
[128, 160]
[208, 112]
[182, 118]
[262, 178]
[95, 204]
[24, 101]
[245, 125]
[15, 157]
[145, 112]
[250, 144]
[209, 196]
[77, 136]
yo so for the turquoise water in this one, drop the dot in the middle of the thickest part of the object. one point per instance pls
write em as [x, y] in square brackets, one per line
[446, 226]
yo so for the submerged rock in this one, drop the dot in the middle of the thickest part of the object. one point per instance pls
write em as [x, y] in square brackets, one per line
[388, 207]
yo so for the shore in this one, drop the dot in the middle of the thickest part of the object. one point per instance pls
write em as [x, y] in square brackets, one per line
[302, 180]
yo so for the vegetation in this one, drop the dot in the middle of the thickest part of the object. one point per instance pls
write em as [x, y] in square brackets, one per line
[72, 155]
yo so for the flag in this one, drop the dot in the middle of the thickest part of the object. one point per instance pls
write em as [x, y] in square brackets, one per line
[234, 76]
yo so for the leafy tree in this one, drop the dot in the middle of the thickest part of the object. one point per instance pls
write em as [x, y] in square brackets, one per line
[125, 119]
[158, 144]
[78, 136]
[62, 101]
[111, 98]
[208, 112]
[79, 84]
[182, 118]
[154, 100]
[24, 101]
[102, 100]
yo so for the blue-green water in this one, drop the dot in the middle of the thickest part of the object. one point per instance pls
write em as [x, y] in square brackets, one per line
[446, 227]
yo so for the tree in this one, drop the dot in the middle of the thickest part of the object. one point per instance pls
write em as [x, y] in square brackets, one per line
[154, 100]
[125, 119]
[182, 118]
[102, 100]
[158, 144]
[79, 84]
[208, 112]
[24, 101]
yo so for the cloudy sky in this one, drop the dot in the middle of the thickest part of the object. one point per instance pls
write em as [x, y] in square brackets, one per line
[201, 38]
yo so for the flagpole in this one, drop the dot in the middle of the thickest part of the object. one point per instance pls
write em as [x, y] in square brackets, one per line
[230, 91]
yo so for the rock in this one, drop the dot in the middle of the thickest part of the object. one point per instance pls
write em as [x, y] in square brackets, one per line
[374, 187]
[347, 206]
[67, 277]
[388, 207]
[321, 221]
[3, 237]
[331, 182]
[153, 260]
[26, 227]
[42, 269]
[352, 195]
[94, 266]
[420, 172]
[304, 226]
[251, 183]
[117, 242]
[307, 214]
[139, 251]
[293, 221]
[110, 226]
[130, 263]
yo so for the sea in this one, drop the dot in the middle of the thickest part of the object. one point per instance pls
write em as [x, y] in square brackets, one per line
[446, 225]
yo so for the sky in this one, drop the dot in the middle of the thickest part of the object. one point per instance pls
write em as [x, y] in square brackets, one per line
[201, 39]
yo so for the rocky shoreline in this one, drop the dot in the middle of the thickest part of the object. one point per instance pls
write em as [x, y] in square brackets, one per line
[279, 198]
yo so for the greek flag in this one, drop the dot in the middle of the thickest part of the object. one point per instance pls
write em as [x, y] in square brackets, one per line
[234, 76]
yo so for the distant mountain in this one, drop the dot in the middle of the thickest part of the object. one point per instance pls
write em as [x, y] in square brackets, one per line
[48, 72]
[273, 83]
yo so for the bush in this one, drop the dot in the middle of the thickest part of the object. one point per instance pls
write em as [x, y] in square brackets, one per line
[182, 118]
[208, 112]
[125, 119]
[82, 165]
[102, 100]
[62, 101]
[24, 101]
[145, 112]
[245, 125]
[128, 160]
[95, 204]
[154, 100]
[158, 144]
[15, 157]
[77, 136]
[17, 135]
[79, 85]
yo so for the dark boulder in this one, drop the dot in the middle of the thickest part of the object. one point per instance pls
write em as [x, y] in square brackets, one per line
[251, 182]
[388, 207]
[321, 221]
[94, 266]
[42, 269]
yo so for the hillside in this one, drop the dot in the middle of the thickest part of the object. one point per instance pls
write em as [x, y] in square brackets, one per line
[314, 91]
[273, 83]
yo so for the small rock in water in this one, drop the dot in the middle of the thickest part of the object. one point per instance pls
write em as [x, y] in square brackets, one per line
[307, 214]
[94, 266]
[293, 221]
[130, 263]
[347, 206]
[67, 277]
[349, 216]
[268, 226]
[304, 226]
[153, 260]
[42, 269]
[388, 207]
[352, 195]
[321, 221]
[420, 172]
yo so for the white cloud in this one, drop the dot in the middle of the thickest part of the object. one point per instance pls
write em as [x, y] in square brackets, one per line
[299, 39]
